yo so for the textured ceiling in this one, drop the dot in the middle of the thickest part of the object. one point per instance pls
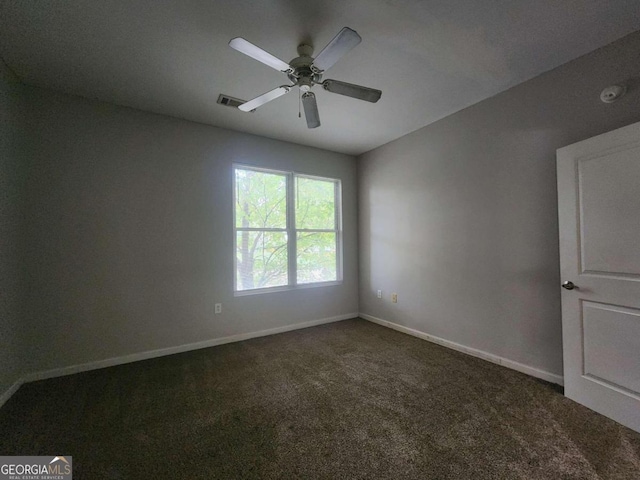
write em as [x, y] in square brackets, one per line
[430, 58]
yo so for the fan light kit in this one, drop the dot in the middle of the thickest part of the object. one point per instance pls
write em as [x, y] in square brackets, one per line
[305, 71]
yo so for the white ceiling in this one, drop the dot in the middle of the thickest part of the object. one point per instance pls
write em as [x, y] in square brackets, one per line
[430, 58]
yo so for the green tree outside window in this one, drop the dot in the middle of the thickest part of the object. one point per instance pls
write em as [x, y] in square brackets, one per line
[281, 216]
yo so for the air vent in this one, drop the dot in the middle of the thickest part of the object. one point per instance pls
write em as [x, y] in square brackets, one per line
[228, 101]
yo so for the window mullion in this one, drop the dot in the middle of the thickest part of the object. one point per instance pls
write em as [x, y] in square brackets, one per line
[291, 230]
[235, 230]
[337, 210]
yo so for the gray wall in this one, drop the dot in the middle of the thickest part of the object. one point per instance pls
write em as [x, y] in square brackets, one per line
[129, 232]
[459, 218]
[10, 230]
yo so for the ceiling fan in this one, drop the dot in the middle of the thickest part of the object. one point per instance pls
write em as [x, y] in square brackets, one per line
[305, 71]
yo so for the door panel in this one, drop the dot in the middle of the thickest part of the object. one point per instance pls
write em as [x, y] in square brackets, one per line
[608, 189]
[612, 345]
[599, 218]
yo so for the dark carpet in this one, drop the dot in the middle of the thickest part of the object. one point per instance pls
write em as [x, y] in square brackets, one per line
[340, 401]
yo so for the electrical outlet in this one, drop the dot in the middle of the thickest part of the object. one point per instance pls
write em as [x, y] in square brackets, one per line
[379, 293]
[394, 297]
[218, 308]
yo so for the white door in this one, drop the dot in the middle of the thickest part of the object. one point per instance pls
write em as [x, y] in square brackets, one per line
[599, 215]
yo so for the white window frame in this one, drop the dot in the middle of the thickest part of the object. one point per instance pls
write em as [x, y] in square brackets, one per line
[290, 230]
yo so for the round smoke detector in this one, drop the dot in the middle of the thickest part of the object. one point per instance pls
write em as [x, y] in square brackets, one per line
[612, 93]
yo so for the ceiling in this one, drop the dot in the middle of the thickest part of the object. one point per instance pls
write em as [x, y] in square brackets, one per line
[430, 58]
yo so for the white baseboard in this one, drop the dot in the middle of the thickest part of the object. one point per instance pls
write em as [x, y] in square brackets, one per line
[520, 367]
[10, 391]
[110, 362]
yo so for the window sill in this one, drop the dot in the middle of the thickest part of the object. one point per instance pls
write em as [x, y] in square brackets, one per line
[286, 288]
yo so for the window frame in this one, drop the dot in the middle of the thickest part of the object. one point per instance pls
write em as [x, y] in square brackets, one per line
[290, 230]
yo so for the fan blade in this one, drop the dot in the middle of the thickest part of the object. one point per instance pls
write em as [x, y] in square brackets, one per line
[311, 110]
[344, 41]
[264, 98]
[255, 52]
[351, 90]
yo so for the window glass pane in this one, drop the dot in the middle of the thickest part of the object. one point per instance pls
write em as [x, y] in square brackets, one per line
[261, 260]
[315, 204]
[261, 199]
[316, 257]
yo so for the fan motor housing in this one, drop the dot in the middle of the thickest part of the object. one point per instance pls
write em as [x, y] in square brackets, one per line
[302, 74]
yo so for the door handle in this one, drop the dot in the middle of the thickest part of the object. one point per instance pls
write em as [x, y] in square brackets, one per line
[568, 285]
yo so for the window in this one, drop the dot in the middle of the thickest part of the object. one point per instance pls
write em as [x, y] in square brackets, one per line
[287, 229]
